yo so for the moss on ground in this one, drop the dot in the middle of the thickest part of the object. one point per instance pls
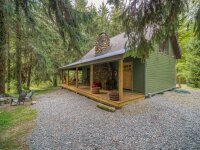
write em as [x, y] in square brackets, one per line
[106, 108]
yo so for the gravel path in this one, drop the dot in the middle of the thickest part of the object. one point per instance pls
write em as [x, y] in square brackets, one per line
[69, 121]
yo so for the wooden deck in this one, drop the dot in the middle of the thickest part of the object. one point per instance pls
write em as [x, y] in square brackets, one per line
[103, 97]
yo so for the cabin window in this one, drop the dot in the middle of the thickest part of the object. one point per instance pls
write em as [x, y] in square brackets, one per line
[164, 47]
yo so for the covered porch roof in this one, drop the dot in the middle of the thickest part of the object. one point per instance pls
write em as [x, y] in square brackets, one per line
[113, 52]
[112, 56]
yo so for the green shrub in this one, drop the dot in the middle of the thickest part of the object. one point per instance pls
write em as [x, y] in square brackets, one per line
[193, 63]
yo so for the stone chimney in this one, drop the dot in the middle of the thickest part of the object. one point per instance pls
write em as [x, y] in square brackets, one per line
[102, 44]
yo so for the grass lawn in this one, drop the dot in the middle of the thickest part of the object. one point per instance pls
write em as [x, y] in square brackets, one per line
[15, 123]
[40, 91]
[184, 86]
[37, 90]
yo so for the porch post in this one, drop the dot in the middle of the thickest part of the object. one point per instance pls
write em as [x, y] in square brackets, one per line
[91, 76]
[120, 79]
[76, 77]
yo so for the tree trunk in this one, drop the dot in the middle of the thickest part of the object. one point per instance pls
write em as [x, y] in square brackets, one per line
[2, 48]
[55, 79]
[18, 48]
[8, 63]
[29, 69]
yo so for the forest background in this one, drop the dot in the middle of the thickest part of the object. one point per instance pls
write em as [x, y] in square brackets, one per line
[37, 37]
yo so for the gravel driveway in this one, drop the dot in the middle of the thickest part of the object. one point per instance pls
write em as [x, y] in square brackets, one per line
[69, 121]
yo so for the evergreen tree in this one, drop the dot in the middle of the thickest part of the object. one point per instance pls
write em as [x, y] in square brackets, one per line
[104, 18]
[2, 47]
[116, 26]
[193, 63]
[150, 22]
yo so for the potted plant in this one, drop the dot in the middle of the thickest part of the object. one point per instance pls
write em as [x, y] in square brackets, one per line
[114, 95]
[96, 88]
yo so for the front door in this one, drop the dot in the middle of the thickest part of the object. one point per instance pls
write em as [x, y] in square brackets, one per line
[128, 75]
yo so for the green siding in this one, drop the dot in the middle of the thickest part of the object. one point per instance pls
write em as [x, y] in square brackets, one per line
[160, 71]
[138, 76]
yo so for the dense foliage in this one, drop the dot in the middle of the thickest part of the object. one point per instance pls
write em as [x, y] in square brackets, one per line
[188, 69]
[148, 22]
[193, 63]
[37, 37]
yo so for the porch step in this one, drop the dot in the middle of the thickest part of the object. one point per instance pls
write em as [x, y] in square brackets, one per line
[106, 107]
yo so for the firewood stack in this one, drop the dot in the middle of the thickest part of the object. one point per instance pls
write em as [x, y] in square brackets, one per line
[102, 43]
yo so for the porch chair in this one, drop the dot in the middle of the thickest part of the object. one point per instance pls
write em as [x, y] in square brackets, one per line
[29, 96]
[20, 99]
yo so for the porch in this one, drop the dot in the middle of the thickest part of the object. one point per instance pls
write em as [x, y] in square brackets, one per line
[108, 76]
[103, 97]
